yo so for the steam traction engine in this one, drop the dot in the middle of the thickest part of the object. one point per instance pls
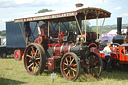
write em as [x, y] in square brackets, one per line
[119, 49]
[67, 56]
[70, 50]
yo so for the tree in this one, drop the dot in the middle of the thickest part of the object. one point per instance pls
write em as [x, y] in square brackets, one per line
[88, 28]
[73, 25]
[3, 33]
[44, 10]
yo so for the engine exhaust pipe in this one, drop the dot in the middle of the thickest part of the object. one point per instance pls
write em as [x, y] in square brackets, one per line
[119, 25]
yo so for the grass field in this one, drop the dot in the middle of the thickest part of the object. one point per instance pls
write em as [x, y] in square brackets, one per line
[13, 73]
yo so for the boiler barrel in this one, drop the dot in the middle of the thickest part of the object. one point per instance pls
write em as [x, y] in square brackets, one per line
[119, 39]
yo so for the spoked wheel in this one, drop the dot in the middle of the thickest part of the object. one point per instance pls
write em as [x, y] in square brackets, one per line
[18, 55]
[34, 59]
[94, 65]
[70, 66]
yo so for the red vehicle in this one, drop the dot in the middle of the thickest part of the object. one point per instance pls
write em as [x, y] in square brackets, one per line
[67, 50]
[119, 49]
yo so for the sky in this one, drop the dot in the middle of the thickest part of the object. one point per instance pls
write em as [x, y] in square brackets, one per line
[11, 9]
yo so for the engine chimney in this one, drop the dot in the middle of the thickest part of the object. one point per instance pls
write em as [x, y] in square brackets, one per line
[119, 25]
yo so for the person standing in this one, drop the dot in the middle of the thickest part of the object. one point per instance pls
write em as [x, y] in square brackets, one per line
[107, 52]
[126, 37]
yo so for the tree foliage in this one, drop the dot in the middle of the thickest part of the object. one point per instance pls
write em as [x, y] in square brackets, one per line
[88, 28]
[3, 33]
[44, 10]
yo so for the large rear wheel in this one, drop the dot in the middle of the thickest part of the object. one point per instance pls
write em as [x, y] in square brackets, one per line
[93, 65]
[70, 66]
[34, 59]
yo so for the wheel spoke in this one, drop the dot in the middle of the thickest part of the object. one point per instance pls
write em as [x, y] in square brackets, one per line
[33, 49]
[29, 56]
[70, 58]
[97, 66]
[65, 64]
[95, 71]
[33, 67]
[95, 62]
[36, 52]
[73, 69]
[65, 69]
[74, 64]
[32, 53]
[39, 62]
[30, 65]
[37, 58]
[36, 69]
[30, 61]
[71, 61]
[67, 61]
[37, 65]
[73, 74]
[68, 72]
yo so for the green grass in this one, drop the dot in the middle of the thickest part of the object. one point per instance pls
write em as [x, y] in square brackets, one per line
[13, 73]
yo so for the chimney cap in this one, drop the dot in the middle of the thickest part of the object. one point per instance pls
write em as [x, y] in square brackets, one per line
[79, 5]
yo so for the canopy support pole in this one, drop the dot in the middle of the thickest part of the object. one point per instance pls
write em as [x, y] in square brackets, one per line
[102, 26]
[22, 34]
[59, 29]
[48, 28]
[85, 28]
[78, 26]
[97, 26]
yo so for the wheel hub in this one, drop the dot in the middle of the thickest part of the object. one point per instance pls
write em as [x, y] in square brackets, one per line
[33, 59]
[68, 66]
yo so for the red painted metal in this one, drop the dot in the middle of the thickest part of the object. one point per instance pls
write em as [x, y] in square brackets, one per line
[119, 54]
[38, 40]
[18, 53]
[61, 49]
[92, 45]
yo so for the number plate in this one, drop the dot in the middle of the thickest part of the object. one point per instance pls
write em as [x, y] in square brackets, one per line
[53, 75]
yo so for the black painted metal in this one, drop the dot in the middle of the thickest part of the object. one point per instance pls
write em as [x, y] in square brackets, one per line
[79, 18]
[119, 39]
[119, 25]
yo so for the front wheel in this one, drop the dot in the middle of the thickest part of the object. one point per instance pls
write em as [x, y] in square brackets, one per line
[93, 65]
[70, 66]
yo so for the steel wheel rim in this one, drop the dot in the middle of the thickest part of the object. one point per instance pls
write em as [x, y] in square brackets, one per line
[70, 67]
[32, 59]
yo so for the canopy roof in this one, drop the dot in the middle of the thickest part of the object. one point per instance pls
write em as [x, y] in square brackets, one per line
[91, 13]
